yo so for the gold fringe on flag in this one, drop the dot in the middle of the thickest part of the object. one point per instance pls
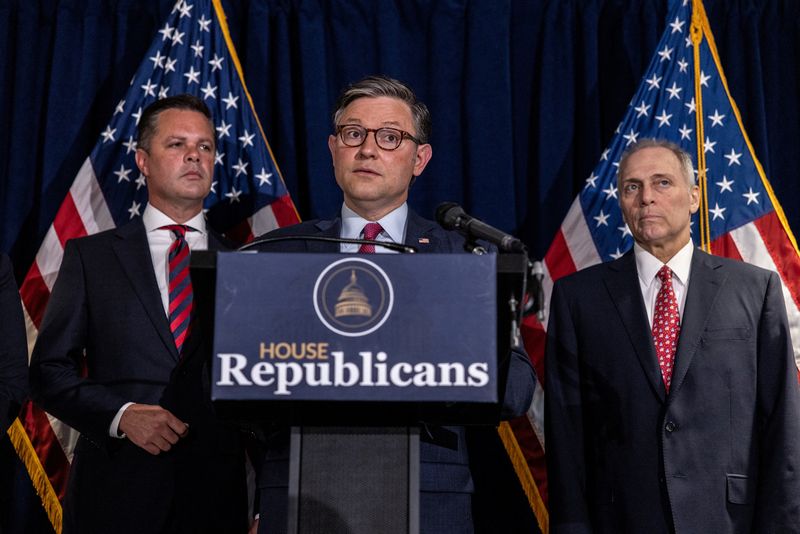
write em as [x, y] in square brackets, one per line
[524, 475]
[26, 452]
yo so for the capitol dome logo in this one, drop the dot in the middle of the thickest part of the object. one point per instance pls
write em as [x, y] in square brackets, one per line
[353, 297]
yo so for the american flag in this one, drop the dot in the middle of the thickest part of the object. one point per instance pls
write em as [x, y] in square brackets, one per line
[192, 53]
[683, 98]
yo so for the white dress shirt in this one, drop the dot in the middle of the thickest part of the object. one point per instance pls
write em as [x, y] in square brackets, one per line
[648, 266]
[393, 224]
[160, 241]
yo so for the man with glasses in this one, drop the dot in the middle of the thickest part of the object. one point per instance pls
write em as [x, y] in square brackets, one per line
[379, 147]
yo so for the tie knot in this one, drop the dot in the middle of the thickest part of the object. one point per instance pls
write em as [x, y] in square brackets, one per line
[371, 230]
[665, 274]
[178, 229]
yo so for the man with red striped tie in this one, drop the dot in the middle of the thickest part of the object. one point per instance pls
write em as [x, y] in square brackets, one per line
[117, 357]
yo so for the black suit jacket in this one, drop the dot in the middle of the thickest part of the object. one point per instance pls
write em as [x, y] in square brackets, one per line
[13, 348]
[106, 305]
[13, 380]
[445, 480]
[720, 453]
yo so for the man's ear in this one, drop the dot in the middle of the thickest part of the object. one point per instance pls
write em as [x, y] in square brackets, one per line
[421, 158]
[332, 146]
[141, 158]
[694, 198]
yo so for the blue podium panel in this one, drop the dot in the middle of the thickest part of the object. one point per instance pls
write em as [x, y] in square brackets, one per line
[383, 327]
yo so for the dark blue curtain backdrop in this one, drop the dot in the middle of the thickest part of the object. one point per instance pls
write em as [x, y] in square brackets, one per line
[524, 94]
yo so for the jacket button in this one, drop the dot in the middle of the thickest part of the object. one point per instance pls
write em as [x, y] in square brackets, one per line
[670, 426]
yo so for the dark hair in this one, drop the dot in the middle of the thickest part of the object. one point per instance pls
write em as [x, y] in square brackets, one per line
[684, 159]
[147, 123]
[376, 86]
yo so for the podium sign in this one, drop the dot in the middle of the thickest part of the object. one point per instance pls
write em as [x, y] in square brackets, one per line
[334, 327]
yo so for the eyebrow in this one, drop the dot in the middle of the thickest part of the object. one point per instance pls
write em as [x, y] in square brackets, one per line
[651, 177]
[395, 124]
[184, 138]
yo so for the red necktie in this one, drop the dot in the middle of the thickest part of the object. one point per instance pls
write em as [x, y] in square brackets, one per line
[371, 231]
[666, 325]
[180, 285]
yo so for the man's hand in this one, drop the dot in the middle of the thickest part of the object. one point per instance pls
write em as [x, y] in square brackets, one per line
[152, 427]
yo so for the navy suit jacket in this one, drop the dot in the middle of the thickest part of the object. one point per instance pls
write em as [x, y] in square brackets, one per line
[105, 315]
[445, 480]
[720, 453]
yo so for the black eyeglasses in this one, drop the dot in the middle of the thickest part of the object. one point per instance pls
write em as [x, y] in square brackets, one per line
[353, 135]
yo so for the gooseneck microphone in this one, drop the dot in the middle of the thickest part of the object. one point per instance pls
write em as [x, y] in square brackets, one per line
[391, 245]
[451, 216]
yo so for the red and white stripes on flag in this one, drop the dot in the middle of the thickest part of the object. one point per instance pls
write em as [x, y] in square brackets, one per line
[192, 53]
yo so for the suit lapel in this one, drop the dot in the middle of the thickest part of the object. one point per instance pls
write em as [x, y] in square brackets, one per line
[620, 279]
[133, 252]
[421, 233]
[704, 284]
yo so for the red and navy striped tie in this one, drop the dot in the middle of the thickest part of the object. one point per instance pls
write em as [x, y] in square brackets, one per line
[180, 285]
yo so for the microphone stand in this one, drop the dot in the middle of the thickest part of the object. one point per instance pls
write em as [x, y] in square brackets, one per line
[471, 245]
[535, 301]
[391, 245]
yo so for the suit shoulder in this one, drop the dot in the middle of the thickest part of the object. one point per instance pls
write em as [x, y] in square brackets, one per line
[302, 228]
[587, 275]
[282, 239]
[100, 239]
[736, 268]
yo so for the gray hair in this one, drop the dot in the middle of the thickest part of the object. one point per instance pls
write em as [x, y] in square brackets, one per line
[684, 159]
[377, 86]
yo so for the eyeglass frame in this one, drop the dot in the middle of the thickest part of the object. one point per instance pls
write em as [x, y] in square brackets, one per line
[403, 135]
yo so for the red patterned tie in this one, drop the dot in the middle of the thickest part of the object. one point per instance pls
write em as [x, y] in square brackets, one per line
[666, 325]
[180, 285]
[371, 231]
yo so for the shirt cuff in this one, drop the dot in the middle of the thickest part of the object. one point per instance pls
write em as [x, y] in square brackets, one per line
[113, 430]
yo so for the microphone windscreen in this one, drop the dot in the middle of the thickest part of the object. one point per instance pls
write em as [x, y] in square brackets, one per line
[447, 215]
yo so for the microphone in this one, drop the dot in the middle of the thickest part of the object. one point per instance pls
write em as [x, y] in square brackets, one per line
[537, 270]
[391, 245]
[452, 217]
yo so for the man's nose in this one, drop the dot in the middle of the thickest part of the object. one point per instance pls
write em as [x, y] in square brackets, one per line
[370, 145]
[192, 154]
[647, 195]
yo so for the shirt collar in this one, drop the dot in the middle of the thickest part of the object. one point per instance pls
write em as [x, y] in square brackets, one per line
[153, 219]
[648, 265]
[393, 223]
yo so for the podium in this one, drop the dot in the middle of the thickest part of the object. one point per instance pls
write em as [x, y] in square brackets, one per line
[354, 355]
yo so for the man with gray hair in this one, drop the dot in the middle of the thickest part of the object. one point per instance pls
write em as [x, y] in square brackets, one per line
[672, 394]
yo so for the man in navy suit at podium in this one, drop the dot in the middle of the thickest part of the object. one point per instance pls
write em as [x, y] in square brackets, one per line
[379, 147]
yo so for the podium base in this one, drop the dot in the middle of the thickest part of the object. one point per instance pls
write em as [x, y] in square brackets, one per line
[354, 480]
